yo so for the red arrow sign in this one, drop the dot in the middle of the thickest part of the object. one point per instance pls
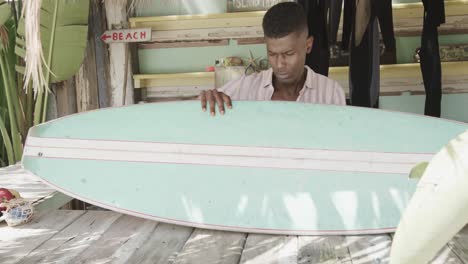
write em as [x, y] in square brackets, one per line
[127, 35]
[104, 37]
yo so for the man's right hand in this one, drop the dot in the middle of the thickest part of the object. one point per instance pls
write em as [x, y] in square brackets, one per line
[214, 97]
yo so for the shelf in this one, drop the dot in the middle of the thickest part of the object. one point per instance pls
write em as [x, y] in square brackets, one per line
[408, 20]
[394, 80]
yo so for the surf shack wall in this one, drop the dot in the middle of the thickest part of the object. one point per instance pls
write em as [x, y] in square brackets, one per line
[189, 35]
[105, 77]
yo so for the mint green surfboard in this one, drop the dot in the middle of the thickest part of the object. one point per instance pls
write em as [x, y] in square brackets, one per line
[263, 167]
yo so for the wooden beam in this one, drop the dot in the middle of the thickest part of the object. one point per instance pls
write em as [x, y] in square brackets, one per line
[65, 93]
[119, 56]
[97, 27]
[86, 81]
[241, 19]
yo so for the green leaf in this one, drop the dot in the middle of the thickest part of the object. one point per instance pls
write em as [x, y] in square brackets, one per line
[7, 142]
[418, 171]
[19, 69]
[5, 12]
[64, 32]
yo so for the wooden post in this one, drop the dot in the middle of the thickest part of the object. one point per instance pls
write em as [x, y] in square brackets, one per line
[65, 93]
[121, 81]
[98, 26]
[86, 81]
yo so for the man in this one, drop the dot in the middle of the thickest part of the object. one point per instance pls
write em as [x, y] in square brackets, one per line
[287, 42]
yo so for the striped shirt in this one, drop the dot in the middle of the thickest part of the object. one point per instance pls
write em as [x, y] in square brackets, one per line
[318, 89]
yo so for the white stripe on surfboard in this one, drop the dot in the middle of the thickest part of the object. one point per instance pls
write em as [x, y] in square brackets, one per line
[225, 150]
[277, 158]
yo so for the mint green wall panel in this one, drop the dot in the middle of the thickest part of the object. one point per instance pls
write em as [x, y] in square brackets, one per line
[175, 60]
[180, 7]
[454, 106]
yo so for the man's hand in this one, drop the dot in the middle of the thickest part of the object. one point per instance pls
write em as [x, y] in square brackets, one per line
[214, 97]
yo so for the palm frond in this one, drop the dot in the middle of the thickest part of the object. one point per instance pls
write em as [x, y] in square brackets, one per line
[34, 56]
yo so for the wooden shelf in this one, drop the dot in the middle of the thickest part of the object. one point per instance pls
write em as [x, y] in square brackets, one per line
[394, 80]
[173, 79]
[408, 19]
[400, 78]
[164, 23]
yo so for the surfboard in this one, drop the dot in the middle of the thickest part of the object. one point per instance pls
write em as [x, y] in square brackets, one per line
[263, 167]
[438, 208]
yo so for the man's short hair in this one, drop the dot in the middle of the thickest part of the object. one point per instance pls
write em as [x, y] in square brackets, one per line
[283, 19]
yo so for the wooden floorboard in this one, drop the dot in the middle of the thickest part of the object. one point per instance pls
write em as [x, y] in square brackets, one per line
[446, 256]
[270, 249]
[163, 244]
[29, 186]
[74, 239]
[210, 246]
[17, 242]
[118, 243]
[323, 250]
[371, 249]
[459, 244]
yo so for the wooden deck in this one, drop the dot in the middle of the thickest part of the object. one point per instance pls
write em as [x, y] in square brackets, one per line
[67, 236]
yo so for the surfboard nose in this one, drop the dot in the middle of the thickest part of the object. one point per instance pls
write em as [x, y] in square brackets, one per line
[438, 208]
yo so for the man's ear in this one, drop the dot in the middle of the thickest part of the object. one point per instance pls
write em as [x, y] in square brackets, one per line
[309, 43]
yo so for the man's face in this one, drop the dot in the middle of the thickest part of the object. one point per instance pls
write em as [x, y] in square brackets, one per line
[287, 56]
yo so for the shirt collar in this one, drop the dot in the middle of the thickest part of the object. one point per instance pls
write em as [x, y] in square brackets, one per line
[267, 79]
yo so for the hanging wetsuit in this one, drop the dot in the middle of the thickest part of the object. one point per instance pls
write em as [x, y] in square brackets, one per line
[334, 21]
[434, 16]
[360, 35]
[319, 57]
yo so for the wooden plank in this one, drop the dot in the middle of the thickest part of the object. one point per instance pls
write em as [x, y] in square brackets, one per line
[16, 243]
[270, 249]
[240, 19]
[65, 92]
[167, 92]
[369, 249]
[209, 246]
[250, 41]
[459, 244]
[208, 34]
[29, 186]
[174, 79]
[86, 81]
[445, 255]
[183, 44]
[414, 10]
[163, 245]
[74, 239]
[398, 78]
[98, 22]
[323, 250]
[119, 241]
[169, 99]
[55, 201]
[121, 84]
